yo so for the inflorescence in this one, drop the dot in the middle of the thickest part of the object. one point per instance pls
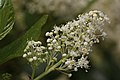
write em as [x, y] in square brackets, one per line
[72, 42]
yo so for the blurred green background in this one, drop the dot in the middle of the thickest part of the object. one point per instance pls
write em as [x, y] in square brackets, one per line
[105, 58]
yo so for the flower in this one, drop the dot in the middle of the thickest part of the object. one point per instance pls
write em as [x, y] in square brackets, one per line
[76, 38]
[35, 52]
[83, 62]
[72, 41]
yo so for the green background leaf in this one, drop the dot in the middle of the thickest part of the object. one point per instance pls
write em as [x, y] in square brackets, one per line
[16, 48]
[6, 17]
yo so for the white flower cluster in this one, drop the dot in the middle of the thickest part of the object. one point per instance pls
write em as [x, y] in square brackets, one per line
[73, 41]
[35, 52]
[57, 7]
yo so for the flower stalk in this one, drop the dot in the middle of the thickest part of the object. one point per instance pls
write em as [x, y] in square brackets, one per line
[33, 72]
[49, 70]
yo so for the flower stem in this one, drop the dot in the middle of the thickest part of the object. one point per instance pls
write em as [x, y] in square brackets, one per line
[48, 71]
[33, 72]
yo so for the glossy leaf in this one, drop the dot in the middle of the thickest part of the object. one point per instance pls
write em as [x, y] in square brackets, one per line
[6, 17]
[16, 48]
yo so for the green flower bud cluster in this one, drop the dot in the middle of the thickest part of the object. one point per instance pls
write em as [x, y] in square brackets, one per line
[6, 76]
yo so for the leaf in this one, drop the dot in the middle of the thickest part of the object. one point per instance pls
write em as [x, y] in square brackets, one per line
[6, 17]
[16, 49]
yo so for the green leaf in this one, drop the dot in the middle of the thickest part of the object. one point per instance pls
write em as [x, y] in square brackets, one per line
[16, 49]
[6, 17]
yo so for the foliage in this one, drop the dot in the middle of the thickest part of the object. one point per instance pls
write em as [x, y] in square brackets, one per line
[67, 46]
[15, 49]
[6, 17]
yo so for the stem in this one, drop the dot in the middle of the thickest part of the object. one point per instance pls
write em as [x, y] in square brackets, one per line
[33, 72]
[60, 69]
[48, 65]
[48, 71]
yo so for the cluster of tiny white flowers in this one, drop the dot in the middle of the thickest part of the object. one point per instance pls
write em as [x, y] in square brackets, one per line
[76, 38]
[57, 7]
[35, 52]
[73, 41]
